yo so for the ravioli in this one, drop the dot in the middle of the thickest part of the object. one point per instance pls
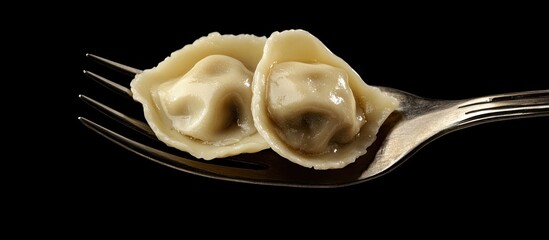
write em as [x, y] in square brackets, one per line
[198, 100]
[311, 106]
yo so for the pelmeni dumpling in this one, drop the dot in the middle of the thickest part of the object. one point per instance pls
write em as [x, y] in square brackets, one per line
[199, 99]
[311, 106]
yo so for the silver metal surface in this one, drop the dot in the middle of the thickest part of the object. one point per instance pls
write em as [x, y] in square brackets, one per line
[414, 124]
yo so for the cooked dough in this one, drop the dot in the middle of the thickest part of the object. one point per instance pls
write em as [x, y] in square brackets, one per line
[311, 106]
[198, 99]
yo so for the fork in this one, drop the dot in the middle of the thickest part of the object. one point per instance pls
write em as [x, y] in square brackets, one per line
[416, 122]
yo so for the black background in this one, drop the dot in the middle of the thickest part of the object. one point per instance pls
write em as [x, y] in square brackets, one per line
[447, 52]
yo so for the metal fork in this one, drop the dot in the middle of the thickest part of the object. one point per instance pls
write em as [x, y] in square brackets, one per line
[414, 124]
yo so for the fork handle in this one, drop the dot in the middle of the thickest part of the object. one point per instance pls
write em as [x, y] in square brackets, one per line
[507, 106]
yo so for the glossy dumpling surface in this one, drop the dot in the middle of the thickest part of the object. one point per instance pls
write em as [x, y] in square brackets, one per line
[198, 99]
[311, 106]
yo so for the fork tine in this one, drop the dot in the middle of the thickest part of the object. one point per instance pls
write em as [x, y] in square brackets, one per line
[120, 117]
[196, 167]
[134, 146]
[114, 64]
[109, 84]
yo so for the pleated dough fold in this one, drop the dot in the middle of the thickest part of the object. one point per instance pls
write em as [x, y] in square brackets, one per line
[198, 99]
[311, 106]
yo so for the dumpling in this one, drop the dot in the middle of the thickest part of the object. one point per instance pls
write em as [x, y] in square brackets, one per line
[311, 106]
[198, 100]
